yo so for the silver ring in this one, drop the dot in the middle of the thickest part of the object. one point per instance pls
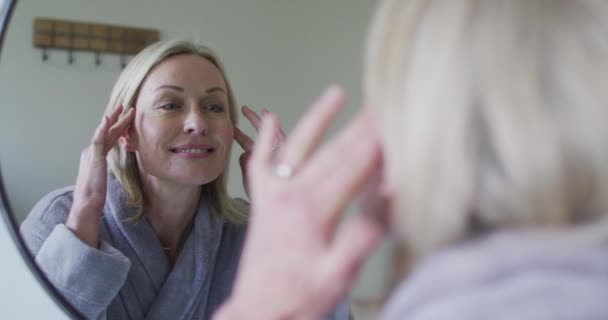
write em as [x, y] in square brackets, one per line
[283, 171]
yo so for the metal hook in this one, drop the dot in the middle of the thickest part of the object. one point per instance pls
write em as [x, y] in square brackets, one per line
[97, 59]
[45, 54]
[70, 50]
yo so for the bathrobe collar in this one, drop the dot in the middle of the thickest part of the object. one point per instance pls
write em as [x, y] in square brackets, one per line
[168, 293]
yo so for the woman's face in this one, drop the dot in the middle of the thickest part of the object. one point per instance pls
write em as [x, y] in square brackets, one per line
[182, 132]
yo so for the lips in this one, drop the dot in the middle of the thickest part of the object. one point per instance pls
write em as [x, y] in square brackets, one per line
[193, 150]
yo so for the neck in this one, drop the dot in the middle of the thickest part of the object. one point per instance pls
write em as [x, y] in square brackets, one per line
[170, 210]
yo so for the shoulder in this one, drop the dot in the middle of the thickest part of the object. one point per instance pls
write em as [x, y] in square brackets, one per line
[53, 208]
[513, 276]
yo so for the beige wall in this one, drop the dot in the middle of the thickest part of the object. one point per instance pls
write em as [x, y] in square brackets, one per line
[278, 54]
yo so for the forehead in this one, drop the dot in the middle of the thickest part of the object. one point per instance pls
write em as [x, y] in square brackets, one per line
[187, 71]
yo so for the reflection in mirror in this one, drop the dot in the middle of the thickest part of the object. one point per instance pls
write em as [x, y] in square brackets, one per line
[276, 55]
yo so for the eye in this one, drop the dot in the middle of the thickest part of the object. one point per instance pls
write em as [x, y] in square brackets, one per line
[169, 106]
[218, 108]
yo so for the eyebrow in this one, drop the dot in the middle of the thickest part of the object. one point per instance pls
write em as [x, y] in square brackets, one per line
[180, 89]
[216, 89]
[172, 87]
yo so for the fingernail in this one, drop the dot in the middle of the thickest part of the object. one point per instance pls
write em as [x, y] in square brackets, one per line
[266, 117]
[331, 93]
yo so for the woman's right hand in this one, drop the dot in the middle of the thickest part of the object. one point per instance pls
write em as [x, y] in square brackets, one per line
[91, 183]
[300, 258]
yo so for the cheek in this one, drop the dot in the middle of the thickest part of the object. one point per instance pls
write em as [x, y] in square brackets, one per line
[154, 129]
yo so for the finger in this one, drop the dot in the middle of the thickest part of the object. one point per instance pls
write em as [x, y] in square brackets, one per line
[262, 153]
[97, 141]
[255, 120]
[119, 128]
[352, 245]
[355, 138]
[244, 164]
[253, 117]
[100, 131]
[243, 161]
[342, 182]
[243, 140]
[311, 128]
[280, 135]
[115, 114]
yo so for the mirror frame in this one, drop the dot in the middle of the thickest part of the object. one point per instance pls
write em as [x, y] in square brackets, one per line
[6, 11]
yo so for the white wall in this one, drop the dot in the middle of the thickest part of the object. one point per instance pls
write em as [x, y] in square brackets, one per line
[278, 54]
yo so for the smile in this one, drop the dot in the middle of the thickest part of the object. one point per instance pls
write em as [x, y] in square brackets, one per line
[193, 150]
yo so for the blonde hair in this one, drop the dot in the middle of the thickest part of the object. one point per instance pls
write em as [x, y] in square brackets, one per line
[126, 90]
[493, 114]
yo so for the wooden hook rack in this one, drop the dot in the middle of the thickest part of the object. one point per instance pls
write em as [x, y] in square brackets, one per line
[92, 37]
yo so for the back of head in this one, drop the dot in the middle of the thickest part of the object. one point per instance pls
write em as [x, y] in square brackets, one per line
[493, 114]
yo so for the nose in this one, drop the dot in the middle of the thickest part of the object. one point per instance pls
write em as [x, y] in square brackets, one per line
[195, 122]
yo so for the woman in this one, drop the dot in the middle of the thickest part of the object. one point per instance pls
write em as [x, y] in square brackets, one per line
[158, 237]
[492, 126]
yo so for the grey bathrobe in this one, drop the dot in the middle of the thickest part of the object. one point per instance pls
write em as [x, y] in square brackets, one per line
[129, 276]
[510, 275]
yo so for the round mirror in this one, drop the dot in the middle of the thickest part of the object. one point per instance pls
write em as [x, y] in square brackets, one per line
[278, 55]
[26, 293]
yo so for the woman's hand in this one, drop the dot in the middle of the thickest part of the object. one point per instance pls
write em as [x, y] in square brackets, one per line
[247, 143]
[91, 183]
[296, 264]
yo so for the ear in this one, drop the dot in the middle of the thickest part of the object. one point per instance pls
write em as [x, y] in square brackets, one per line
[126, 141]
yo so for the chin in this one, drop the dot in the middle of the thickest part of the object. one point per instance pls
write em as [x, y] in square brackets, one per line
[199, 180]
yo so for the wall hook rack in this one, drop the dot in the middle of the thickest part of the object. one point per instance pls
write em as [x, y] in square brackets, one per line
[97, 38]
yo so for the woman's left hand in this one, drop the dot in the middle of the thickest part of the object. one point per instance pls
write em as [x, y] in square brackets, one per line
[247, 143]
